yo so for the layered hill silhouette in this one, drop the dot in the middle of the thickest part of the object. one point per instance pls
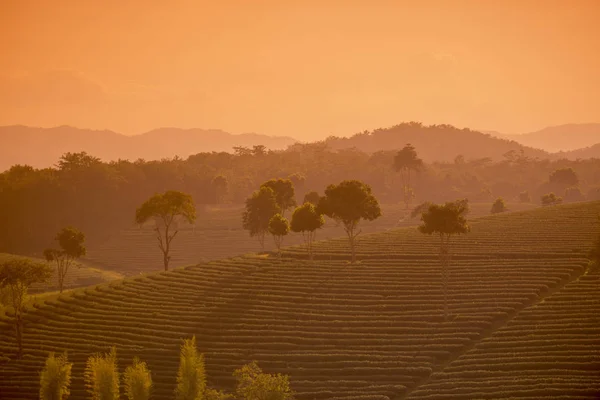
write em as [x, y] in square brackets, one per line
[561, 138]
[42, 147]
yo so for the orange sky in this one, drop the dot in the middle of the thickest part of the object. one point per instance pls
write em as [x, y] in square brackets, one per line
[302, 68]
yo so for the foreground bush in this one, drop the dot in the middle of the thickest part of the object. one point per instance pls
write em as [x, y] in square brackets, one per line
[253, 384]
[101, 376]
[191, 377]
[55, 378]
[137, 381]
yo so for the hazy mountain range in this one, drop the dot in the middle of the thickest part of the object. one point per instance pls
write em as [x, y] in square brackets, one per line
[553, 139]
[42, 147]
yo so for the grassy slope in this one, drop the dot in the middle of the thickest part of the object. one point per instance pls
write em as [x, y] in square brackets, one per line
[370, 331]
[78, 275]
[219, 234]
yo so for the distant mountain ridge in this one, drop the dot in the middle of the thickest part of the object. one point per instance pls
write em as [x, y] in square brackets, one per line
[42, 147]
[560, 138]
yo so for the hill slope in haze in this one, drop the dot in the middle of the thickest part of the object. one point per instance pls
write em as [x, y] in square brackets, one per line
[370, 331]
[587, 152]
[42, 147]
[434, 142]
[561, 138]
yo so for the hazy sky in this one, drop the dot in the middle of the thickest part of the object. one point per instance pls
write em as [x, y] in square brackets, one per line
[301, 68]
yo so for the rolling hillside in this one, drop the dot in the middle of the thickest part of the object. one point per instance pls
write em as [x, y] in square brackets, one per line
[371, 331]
[42, 147]
[218, 234]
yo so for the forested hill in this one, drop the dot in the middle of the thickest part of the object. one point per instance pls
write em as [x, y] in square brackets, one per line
[435, 142]
[41, 147]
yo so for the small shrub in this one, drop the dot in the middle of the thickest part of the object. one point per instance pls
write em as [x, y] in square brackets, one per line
[498, 206]
[101, 376]
[551, 199]
[55, 378]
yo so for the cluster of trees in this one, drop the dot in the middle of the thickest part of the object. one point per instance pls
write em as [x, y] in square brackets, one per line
[104, 382]
[100, 197]
[347, 203]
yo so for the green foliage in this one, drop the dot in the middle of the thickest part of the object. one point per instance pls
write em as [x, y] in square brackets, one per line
[137, 381]
[279, 227]
[283, 189]
[260, 208]
[564, 177]
[55, 378]
[71, 242]
[350, 202]
[254, 384]
[102, 377]
[191, 376]
[499, 206]
[551, 199]
[166, 208]
[16, 276]
[524, 197]
[312, 197]
[307, 220]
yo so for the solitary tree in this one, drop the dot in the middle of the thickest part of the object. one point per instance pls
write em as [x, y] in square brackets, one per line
[279, 227]
[307, 220]
[498, 206]
[349, 203]
[102, 377]
[137, 381]
[551, 199]
[70, 241]
[55, 378]
[283, 189]
[191, 377]
[166, 209]
[312, 197]
[254, 384]
[16, 276]
[405, 161]
[445, 220]
[260, 208]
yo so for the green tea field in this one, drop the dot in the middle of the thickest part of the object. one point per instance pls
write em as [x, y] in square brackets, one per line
[523, 315]
[218, 234]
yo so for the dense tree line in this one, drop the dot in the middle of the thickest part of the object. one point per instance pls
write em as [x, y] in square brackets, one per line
[99, 198]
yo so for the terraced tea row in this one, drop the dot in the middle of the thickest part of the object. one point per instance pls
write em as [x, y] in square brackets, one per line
[548, 350]
[369, 331]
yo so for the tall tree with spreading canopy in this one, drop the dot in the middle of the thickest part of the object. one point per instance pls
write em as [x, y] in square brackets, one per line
[71, 243]
[260, 208]
[254, 384]
[55, 378]
[166, 209]
[307, 220]
[279, 227]
[350, 202]
[191, 376]
[445, 220]
[406, 161]
[16, 276]
[284, 192]
[102, 376]
[137, 381]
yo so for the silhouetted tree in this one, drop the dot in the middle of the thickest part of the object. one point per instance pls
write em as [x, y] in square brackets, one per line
[406, 161]
[551, 199]
[16, 276]
[260, 208]
[220, 187]
[279, 227]
[283, 189]
[307, 220]
[498, 206]
[312, 198]
[350, 202]
[445, 220]
[71, 243]
[166, 209]
[55, 378]
[564, 177]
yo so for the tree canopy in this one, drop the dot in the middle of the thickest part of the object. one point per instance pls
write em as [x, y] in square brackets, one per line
[279, 227]
[306, 220]
[283, 190]
[447, 219]
[71, 242]
[260, 208]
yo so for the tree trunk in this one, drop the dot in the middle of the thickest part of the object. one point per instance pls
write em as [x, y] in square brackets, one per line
[351, 237]
[19, 335]
[444, 261]
[166, 251]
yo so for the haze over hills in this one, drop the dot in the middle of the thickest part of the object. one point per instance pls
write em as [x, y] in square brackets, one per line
[558, 138]
[42, 147]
